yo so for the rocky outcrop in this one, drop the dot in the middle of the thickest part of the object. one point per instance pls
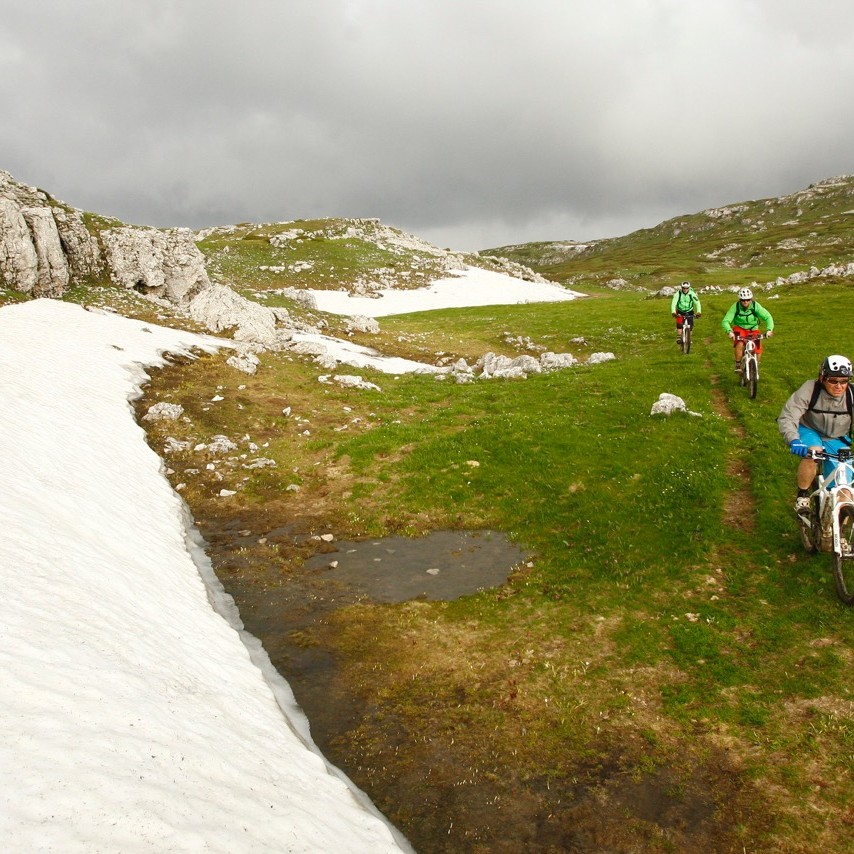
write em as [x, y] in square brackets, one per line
[165, 264]
[44, 245]
[219, 308]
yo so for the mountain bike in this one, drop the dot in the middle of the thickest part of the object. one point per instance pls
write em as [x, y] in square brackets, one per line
[750, 363]
[686, 330]
[829, 527]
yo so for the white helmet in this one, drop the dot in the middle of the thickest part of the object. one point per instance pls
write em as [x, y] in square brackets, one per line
[835, 366]
[745, 293]
[686, 284]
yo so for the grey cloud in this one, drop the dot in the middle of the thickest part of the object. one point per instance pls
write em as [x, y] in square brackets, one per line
[472, 126]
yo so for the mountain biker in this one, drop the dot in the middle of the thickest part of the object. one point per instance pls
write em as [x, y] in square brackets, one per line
[743, 320]
[818, 416]
[684, 306]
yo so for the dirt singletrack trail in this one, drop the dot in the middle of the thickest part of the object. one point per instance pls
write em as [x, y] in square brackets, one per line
[740, 505]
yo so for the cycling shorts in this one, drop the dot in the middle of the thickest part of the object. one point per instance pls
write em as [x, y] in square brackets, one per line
[741, 332]
[813, 439]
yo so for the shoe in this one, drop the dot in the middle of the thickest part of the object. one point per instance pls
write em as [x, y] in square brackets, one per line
[679, 340]
[738, 367]
[802, 505]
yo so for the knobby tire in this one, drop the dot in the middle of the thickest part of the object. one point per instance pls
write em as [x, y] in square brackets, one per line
[843, 560]
[686, 340]
[810, 528]
[752, 377]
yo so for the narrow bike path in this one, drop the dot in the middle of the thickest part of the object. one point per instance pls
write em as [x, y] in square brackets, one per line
[739, 505]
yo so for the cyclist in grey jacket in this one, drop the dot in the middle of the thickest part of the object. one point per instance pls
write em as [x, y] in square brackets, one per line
[818, 416]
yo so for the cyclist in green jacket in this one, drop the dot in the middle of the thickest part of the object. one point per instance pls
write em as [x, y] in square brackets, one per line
[743, 320]
[684, 306]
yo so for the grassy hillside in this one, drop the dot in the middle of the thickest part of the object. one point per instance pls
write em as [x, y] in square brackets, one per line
[734, 245]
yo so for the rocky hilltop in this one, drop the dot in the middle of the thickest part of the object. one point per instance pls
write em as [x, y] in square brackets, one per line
[46, 246]
[249, 281]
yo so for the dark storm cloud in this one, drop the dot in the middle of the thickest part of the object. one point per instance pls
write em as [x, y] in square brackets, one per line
[470, 124]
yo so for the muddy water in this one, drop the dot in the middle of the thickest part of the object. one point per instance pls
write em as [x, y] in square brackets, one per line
[281, 610]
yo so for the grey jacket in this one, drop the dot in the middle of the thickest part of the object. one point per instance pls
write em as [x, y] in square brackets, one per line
[831, 423]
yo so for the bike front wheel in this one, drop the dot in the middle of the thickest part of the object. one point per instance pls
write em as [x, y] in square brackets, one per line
[686, 340]
[752, 377]
[810, 527]
[843, 557]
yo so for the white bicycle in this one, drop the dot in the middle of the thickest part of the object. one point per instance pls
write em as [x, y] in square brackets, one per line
[829, 527]
[750, 362]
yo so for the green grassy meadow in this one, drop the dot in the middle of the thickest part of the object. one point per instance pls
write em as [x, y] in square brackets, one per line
[669, 631]
[669, 671]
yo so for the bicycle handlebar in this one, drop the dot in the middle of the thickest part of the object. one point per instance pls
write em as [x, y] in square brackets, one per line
[751, 337]
[842, 455]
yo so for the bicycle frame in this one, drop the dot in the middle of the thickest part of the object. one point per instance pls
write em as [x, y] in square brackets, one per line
[750, 362]
[828, 490]
[685, 326]
[750, 345]
[831, 507]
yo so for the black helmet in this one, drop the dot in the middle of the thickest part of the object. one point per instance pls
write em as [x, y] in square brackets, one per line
[835, 366]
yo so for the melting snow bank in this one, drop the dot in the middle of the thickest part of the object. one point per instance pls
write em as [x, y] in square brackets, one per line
[329, 352]
[471, 287]
[135, 718]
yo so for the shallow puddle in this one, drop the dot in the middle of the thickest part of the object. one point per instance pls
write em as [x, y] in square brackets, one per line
[443, 565]
[282, 609]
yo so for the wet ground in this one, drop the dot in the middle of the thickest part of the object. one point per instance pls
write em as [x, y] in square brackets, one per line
[423, 781]
[281, 610]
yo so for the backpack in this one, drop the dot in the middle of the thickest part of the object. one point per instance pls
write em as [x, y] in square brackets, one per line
[744, 312]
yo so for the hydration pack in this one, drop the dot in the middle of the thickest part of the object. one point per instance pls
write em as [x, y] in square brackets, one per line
[740, 312]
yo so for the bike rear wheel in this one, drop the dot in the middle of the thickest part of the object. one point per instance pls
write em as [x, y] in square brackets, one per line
[752, 377]
[843, 559]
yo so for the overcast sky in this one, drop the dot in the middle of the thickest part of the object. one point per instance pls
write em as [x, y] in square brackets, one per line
[472, 124]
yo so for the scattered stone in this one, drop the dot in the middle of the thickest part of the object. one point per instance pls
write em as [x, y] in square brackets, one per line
[246, 362]
[164, 411]
[360, 323]
[667, 404]
[263, 462]
[172, 445]
[599, 358]
[221, 445]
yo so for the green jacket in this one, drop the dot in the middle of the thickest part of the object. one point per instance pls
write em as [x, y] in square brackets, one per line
[747, 318]
[685, 302]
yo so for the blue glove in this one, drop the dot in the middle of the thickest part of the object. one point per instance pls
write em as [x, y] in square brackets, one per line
[798, 448]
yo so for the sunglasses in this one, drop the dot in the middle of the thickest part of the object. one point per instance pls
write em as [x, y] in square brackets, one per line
[838, 381]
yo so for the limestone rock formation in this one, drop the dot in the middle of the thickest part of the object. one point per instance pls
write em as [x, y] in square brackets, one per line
[219, 308]
[44, 245]
[165, 263]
